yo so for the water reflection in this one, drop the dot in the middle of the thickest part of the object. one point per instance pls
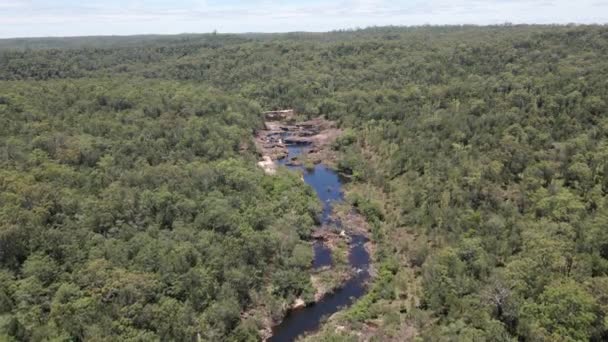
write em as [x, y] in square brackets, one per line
[328, 186]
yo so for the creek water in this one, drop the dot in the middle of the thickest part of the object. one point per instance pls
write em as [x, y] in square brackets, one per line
[328, 186]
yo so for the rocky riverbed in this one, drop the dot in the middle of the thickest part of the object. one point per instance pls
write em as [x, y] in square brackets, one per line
[341, 267]
[318, 134]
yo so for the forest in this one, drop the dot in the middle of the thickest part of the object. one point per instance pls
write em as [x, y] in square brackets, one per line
[131, 207]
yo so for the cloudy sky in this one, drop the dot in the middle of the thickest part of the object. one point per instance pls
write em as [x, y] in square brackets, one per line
[35, 18]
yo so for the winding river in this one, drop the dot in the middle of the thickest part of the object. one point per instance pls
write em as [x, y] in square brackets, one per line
[328, 186]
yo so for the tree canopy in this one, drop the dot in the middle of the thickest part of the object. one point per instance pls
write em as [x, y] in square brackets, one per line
[131, 207]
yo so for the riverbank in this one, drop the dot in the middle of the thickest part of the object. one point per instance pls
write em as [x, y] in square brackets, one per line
[317, 134]
[343, 234]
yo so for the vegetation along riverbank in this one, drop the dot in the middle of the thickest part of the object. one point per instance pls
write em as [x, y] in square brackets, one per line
[335, 268]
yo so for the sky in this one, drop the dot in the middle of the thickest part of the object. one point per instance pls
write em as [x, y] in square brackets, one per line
[42, 18]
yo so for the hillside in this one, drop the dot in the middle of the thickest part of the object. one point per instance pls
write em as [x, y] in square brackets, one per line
[131, 206]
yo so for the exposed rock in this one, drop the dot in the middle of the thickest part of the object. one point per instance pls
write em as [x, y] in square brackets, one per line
[323, 234]
[353, 221]
[279, 115]
[317, 133]
[298, 304]
[296, 139]
[268, 165]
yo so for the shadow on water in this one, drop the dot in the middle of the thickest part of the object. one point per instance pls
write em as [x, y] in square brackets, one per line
[328, 186]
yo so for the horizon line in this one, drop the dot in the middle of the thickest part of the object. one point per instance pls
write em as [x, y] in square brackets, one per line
[340, 30]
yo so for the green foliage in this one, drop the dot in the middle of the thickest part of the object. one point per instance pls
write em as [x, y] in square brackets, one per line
[129, 211]
[131, 207]
[564, 311]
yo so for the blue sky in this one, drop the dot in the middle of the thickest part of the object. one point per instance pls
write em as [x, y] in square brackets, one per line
[35, 18]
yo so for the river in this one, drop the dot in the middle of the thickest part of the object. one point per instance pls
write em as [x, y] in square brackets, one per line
[328, 186]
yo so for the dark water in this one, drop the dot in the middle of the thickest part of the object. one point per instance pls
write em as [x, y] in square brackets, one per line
[326, 183]
[328, 186]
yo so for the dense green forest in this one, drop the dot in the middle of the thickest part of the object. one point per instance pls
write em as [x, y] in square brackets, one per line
[131, 207]
[131, 211]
